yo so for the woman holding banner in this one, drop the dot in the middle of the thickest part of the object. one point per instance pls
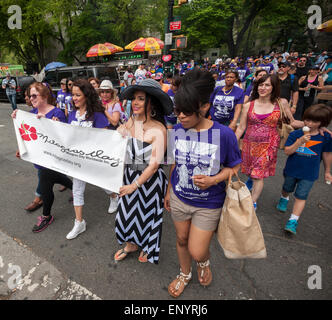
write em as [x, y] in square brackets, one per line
[139, 219]
[40, 97]
[88, 113]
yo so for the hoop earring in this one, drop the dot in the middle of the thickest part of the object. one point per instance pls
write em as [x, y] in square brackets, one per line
[153, 113]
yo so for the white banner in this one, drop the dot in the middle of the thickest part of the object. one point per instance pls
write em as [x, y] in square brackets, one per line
[93, 155]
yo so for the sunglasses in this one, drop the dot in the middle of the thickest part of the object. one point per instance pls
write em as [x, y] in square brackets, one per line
[178, 112]
[105, 91]
[70, 84]
[34, 96]
[63, 84]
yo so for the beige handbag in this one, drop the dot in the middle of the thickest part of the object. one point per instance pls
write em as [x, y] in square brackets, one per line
[239, 232]
[284, 127]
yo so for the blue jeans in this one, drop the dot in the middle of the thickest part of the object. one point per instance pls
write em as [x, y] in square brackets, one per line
[12, 99]
[303, 187]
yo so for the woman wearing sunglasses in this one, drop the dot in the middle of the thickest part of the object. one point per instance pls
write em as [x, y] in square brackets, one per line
[205, 153]
[40, 97]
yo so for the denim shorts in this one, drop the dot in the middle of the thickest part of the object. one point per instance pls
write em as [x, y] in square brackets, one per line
[303, 187]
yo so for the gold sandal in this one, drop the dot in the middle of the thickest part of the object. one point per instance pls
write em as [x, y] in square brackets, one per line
[203, 267]
[179, 284]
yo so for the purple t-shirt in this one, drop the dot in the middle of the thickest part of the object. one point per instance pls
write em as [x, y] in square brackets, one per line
[172, 118]
[223, 105]
[55, 112]
[61, 99]
[243, 73]
[249, 90]
[201, 153]
[98, 120]
[268, 67]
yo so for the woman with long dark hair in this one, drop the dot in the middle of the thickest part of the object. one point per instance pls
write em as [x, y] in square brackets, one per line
[139, 219]
[260, 118]
[88, 113]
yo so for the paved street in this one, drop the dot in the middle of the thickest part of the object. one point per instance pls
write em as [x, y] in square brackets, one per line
[56, 268]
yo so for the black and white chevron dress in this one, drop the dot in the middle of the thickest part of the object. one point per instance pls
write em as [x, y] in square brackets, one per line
[140, 214]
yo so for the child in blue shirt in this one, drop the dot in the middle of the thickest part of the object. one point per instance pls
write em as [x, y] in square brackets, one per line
[305, 151]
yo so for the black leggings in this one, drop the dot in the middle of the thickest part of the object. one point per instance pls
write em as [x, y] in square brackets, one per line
[48, 178]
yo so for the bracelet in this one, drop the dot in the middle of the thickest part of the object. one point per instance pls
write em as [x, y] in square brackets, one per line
[137, 184]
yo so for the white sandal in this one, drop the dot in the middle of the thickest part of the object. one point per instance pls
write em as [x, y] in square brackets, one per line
[180, 279]
[205, 265]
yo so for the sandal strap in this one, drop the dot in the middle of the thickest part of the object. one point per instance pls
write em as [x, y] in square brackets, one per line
[184, 278]
[203, 265]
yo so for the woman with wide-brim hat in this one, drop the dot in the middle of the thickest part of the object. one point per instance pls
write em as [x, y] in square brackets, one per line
[139, 219]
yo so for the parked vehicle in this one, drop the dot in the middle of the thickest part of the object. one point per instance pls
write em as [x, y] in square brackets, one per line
[22, 83]
[102, 72]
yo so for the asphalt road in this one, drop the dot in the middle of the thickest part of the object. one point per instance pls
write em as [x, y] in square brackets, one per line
[88, 260]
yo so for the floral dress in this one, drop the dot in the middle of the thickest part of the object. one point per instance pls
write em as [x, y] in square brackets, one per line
[260, 143]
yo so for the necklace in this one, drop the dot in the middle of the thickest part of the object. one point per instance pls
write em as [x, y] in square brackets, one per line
[226, 94]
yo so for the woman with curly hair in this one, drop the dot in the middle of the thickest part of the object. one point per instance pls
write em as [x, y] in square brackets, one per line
[88, 113]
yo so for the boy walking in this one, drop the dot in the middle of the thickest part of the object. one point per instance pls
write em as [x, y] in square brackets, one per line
[305, 149]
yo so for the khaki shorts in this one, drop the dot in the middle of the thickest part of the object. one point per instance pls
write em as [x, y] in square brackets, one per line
[202, 218]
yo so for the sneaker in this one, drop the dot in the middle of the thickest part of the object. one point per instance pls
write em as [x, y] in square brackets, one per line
[113, 205]
[43, 223]
[282, 205]
[255, 206]
[249, 184]
[291, 226]
[79, 227]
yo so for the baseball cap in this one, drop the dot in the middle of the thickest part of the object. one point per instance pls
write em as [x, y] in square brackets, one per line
[284, 63]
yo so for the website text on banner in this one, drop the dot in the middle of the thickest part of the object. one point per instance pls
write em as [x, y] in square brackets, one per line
[93, 155]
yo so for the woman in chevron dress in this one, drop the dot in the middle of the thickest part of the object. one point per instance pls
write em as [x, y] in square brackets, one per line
[139, 219]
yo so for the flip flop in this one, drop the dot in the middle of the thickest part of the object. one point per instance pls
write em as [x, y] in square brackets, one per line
[122, 252]
[143, 257]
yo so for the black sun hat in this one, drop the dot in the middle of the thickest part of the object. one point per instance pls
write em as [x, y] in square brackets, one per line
[153, 88]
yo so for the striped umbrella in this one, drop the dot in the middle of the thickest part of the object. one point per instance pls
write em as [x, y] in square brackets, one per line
[145, 44]
[326, 26]
[103, 49]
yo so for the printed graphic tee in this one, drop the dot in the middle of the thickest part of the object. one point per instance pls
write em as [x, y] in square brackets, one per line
[305, 162]
[201, 153]
[223, 105]
[98, 120]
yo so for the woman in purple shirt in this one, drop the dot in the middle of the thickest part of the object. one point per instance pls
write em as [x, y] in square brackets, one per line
[88, 113]
[204, 154]
[40, 96]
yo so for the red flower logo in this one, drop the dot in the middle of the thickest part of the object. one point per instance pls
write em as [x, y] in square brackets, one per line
[28, 133]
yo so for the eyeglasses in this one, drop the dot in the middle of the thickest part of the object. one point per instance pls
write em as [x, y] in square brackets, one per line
[63, 84]
[105, 91]
[302, 60]
[34, 96]
[70, 84]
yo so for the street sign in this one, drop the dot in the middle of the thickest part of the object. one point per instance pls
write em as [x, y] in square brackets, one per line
[175, 25]
[168, 39]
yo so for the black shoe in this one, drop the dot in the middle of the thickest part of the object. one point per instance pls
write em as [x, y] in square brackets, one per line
[43, 223]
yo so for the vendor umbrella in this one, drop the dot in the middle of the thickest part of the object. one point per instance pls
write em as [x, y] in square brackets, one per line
[145, 44]
[54, 65]
[325, 27]
[103, 49]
